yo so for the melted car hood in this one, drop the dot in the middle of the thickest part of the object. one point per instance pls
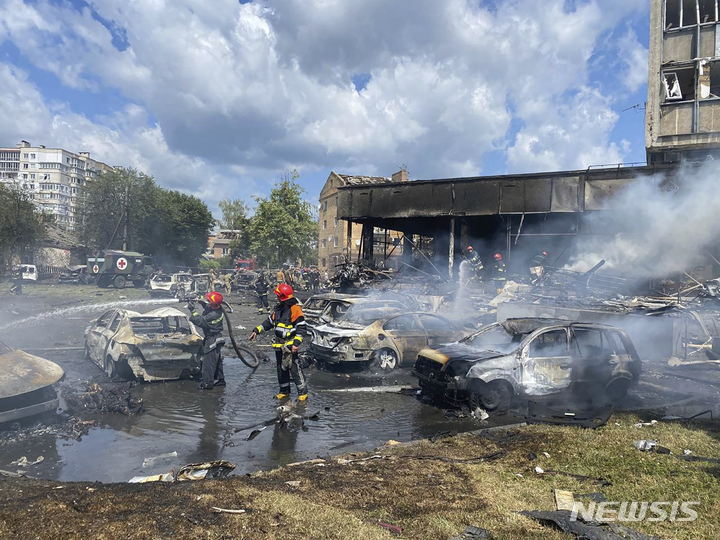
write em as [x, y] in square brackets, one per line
[460, 352]
[345, 331]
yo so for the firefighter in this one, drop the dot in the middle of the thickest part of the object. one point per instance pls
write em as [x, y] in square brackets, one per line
[261, 288]
[17, 285]
[211, 322]
[537, 266]
[280, 277]
[499, 273]
[475, 263]
[288, 320]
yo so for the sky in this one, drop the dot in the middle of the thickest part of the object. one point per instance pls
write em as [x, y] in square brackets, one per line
[217, 98]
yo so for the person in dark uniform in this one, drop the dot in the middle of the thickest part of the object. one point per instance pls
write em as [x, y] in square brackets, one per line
[261, 288]
[475, 263]
[211, 322]
[499, 273]
[288, 321]
[537, 266]
[16, 287]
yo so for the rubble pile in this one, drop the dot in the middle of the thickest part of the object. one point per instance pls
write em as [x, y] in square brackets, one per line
[110, 398]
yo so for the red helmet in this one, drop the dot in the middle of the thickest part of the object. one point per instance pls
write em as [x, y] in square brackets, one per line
[498, 257]
[284, 292]
[214, 299]
[470, 248]
[545, 253]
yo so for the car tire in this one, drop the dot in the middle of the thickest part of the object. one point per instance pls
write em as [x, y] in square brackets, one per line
[139, 283]
[386, 359]
[494, 397]
[110, 368]
[119, 282]
[617, 390]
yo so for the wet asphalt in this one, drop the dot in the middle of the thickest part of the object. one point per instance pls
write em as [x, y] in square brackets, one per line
[200, 426]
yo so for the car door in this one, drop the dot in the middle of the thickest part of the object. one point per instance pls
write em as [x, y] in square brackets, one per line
[408, 336]
[94, 336]
[108, 333]
[546, 363]
[438, 330]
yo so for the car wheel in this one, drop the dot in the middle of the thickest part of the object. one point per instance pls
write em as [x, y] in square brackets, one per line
[110, 367]
[386, 359]
[617, 390]
[119, 282]
[494, 397]
[139, 283]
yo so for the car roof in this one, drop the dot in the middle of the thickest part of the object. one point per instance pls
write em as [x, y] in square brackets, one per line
[527, 325]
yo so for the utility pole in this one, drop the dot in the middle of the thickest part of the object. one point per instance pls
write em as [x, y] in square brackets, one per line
[127, 219]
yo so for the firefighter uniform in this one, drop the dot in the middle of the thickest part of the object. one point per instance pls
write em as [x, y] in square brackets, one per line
[500, 275]
[261, 288]
[288, 321]
[211, 322]
[476, 265]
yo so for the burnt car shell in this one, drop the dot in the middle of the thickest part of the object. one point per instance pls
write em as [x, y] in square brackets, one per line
[26, 385]
[530, 358]
[377, 333]
[159, 345]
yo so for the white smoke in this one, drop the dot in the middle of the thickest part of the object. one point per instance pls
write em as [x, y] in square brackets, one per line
[670, 223]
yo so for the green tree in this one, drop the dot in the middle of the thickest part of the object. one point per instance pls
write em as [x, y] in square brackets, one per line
[168, 224]
[284, 227]
[21, 225]
[234, 217]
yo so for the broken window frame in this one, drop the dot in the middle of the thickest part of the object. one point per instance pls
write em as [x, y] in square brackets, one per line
[676, 71]
[552, 352]
[689, 13]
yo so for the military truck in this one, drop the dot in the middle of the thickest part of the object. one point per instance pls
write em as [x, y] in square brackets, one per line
[116, 268]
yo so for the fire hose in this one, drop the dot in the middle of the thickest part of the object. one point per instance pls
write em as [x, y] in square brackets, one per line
[249, 358]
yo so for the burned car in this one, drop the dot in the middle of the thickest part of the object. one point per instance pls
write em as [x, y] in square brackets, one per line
[26, 385]
[374, 334]
[530, 358]
[327, 307]
[156, 346]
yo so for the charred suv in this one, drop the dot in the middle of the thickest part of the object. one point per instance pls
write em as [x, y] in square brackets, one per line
[375, 334]
[529, 358]
[159, 345]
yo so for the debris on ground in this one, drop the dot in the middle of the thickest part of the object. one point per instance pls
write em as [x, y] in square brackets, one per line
[563, 520]
[651, 446]
[109, 398]
[23, 462]
[227, 510]
[564, 500]
[192, 471]
[66, 427]
[473, 533]
[392, 528]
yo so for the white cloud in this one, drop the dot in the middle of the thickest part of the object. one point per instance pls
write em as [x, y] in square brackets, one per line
[266, 85]
[634, 57]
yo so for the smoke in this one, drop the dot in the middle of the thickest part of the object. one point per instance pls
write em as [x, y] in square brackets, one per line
[664, 224]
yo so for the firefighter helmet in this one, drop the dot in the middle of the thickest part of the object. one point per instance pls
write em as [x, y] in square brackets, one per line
[545, 253]
[284, 292]
[470, 248]
[498, 257]
[214, 299]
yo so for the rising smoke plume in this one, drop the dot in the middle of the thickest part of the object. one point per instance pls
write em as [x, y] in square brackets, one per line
[670, 223]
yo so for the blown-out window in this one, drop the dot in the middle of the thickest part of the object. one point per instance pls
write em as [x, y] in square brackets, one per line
[679, 85]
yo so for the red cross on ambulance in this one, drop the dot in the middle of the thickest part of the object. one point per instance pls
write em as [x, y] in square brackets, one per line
[121, 263]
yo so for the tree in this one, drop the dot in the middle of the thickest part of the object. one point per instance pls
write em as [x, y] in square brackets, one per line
[283, 228]
[168, 224]
[21, 225]
[234, 214]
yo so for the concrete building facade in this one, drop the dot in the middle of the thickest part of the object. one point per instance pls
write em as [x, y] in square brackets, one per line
[54, 177]
[336, 237]
[683, 107]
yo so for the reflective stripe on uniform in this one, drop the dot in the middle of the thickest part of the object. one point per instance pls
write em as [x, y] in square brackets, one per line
[220, 318]
[259, 329]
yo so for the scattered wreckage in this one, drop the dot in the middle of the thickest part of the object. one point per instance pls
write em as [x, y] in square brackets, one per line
[156, 346]
[328, 307]
[531, 358]
[77, 275]
[26, 385]
[382, 335]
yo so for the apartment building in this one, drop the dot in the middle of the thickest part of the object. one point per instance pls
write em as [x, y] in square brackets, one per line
[338, 238]
[55, 178]
[683, 107]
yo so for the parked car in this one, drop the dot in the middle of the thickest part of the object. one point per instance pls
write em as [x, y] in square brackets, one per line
[530, 358]
[26, 385]
[373, 333]
[327, 307]
[159, 345]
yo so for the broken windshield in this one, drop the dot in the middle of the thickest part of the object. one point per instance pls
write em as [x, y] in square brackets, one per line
[494, 338]
[365, 315]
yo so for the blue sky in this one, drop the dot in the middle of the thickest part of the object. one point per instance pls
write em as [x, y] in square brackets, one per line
[217, 99]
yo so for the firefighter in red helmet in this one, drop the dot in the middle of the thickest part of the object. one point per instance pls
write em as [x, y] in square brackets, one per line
[499, 273]
[211, 322]
[288, 321]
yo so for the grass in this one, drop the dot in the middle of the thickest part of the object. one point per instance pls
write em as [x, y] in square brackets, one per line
[417, 487]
